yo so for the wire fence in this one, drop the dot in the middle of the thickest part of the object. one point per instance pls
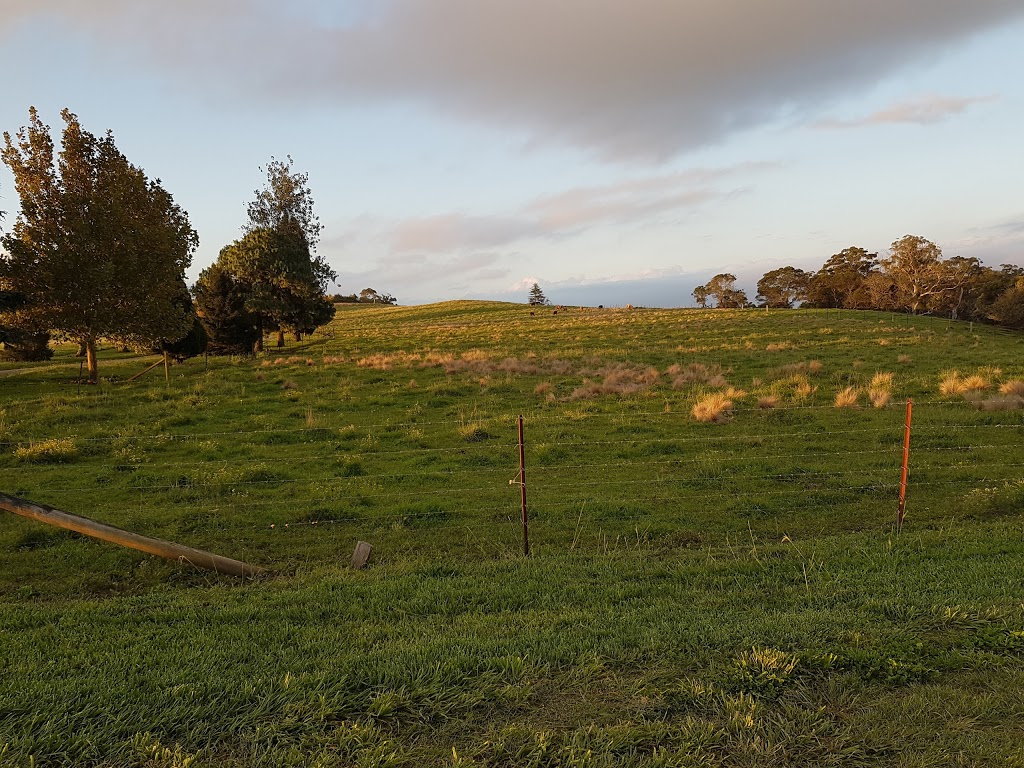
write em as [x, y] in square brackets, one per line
[588, 473]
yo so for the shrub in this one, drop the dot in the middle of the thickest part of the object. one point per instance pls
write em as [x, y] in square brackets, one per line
[713, 408]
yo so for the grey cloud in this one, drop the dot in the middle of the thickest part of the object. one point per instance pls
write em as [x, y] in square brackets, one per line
[925, 110]
[643, 80]
[568, 212]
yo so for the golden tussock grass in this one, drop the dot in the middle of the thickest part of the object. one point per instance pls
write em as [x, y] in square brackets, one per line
[713, 408]
[734, 394]
[542, 389]
[881, 381]
[847, 398]
[767, 402]
[1012, 387]
[884, 342]
[952, 383]
[904, 359]
[879, 397]
[778, 346]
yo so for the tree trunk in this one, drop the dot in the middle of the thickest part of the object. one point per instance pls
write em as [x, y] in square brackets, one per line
[90, 360]
[258, 346]
[280, 337]
[82, 349]
[298, 335]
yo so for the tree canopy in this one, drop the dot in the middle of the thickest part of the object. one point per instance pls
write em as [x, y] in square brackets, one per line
[721, 288]
[271, 269]
[98, 250]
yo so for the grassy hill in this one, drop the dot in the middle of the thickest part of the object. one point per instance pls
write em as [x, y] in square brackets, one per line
[728, 592]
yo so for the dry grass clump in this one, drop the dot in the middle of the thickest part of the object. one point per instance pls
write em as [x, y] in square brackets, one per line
[54, 451]
[884, 342]
[696, 373]
[880, 389]
[767, 402]
[903, 359]
[1012, 387]
[779, 346]
[714, 408]
[289, 384]
[879, 397]
[847, 398]
[621, 379]
[333, 359]
[734, 394]
[881, 381]
[952, 383]
[542, 389]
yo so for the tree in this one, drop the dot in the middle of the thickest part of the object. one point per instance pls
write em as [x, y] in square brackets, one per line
[782, 287]
[537, 297]
[221, 305]
[1008, 308]
[98, 249]
[275, 258]
[722, 288]
[700, 295]
[840, 281]
[915, 266]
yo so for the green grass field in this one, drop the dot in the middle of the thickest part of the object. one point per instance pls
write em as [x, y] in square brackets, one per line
[726, 593]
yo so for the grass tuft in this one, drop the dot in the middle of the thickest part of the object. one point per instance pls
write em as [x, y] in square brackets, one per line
[56, 451]
[847, 398]
[714, 408]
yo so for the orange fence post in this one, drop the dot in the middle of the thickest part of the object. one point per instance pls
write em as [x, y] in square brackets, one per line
[906, 465]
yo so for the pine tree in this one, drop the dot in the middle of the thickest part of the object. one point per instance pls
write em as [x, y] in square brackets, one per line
[537, 297]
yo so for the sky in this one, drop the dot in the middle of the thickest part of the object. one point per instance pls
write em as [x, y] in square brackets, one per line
[613, 151]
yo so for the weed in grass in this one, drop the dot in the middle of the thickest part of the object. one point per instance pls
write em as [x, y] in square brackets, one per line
[55, 451]
[847, 398]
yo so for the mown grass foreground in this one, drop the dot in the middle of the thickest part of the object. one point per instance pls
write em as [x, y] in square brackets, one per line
[729, 592]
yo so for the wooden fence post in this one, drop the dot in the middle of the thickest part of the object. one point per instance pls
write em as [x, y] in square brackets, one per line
[522, 488]
[197, 557]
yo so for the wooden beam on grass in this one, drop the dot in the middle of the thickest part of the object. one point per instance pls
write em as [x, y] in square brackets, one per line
[168, 549]
[143, 373]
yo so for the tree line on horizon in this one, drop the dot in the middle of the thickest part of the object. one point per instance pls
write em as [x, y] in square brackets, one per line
[99, 251]
[913, 277]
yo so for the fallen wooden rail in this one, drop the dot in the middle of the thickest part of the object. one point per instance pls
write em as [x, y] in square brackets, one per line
[168, 549]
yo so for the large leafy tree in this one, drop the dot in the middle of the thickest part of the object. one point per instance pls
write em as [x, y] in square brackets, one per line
[783, 287]
[917, 271]
[840, 283]
[722, 288]
[98, 249]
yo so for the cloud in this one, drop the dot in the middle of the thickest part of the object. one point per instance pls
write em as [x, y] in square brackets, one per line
[925, 110]
[643, 80]
[569, 212]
